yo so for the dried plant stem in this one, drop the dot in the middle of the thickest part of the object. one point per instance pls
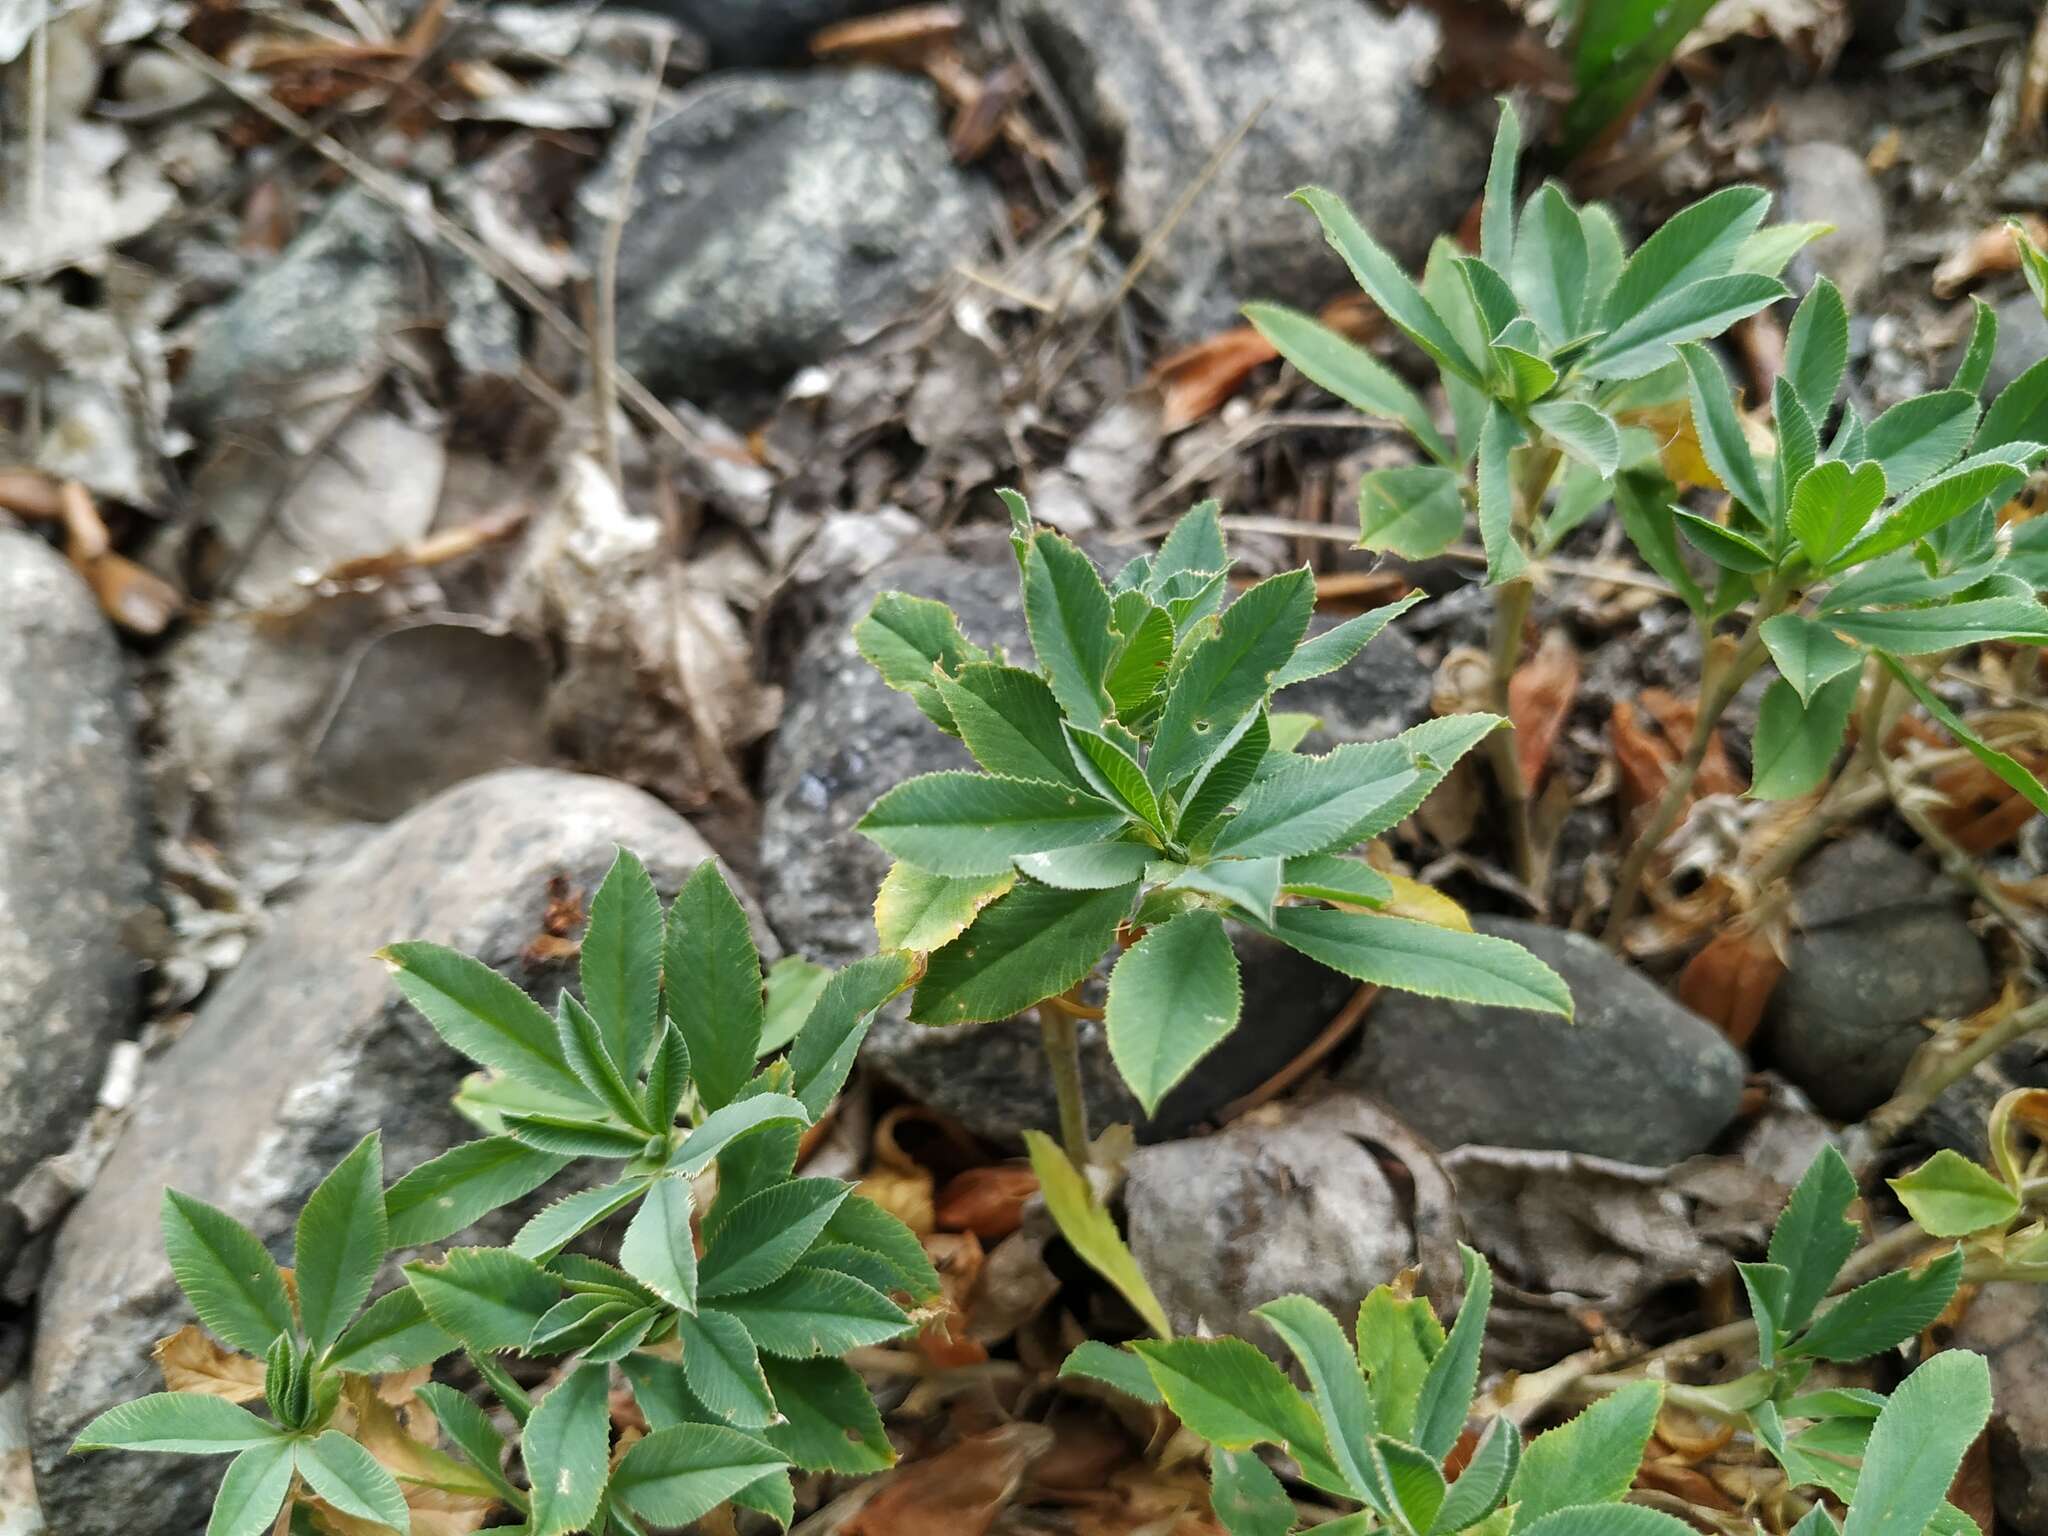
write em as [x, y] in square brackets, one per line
[1717, 692]
[1854, 791]
[1948, 1062]
[1059, 1028]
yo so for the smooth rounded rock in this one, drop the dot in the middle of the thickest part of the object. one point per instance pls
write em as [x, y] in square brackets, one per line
[303, 1049]
[1633, 1076]
[74, 853]
[1828, 183]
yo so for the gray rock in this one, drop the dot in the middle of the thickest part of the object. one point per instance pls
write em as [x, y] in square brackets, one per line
[778, 217]
[2022, 341]
[1163, 88]
[1829, 184]
[2008, 1323]
[322, 308]
[1883, 948]
[74, 864]
[1286, 1200]
[845, 738]
[1634, 1076]
[758, 31]
[302, 1050]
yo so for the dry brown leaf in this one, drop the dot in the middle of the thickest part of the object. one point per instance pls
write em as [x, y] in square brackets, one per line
[138, 600]
[945, 1341]
[1641, 755]
[1990, 251]
[1198, 378]
[192, 1362]
[989, 1202]
[1730, 981]
[30, 493]
[958, 1492]
[1540, 698]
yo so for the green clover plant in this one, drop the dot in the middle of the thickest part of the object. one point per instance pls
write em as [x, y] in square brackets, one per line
[731, 1295]
[1387, 1406]
[1141, 793]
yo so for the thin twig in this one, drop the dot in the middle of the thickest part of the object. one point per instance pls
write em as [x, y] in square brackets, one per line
[604, 362]
[390, 191]
[1340, 1028]
[1945, 1063]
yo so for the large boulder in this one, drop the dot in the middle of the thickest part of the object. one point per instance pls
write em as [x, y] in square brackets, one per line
[845, 738]
[1633, 1076]
[778, 217]
[74, 864]
[1882, 947]
[1160, 92]
[301, 1051]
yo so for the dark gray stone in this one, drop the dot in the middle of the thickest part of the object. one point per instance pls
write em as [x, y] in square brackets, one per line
[2022, 341]
[1162, 87]
[74, 864]
[779, 217]
[1288, 1200]
[2008, 1323]
[1882, 948]
[845, 738]
[1634, 1076]
[1829, 184]
[758, 31]
[324, 306]
[303, 1049]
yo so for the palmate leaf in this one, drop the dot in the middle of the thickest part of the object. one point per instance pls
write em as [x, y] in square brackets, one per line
[620, 962]
[712, 984]
[483, 1016]
[340, 1245]
[1173, 997]
[1416, 511]
[1419, 957]
[228, 1276]
[1347, 371]
[954, 823]
[1228, 674]
[1091, 1231]
[1883, 1313]
[1032, 944]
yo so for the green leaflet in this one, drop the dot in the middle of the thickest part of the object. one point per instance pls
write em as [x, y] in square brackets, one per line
[1011, 722]
[447, 1193]
[1722, 443]
[723, 1369]
[483, 1016]
[1498, 436]
[712, 984]
[1550, 268]
[1337, 1385]
[954, 823]
[1113, 1367]
[766, 1234]
[1228, 674]
[1919, 437]
[1234, 1397]
[393, 1334]
[1417, 957]
[340, 1244]
[681, 1473]
[1642, 343]
[1446, 1398]
[590, 1058]
[1831, 503]
[1698, 244]
[793, 985]
[1922, 631]
[349, 1478]
[1032, 944]
[811, 1312]
[1882, 1313]
[182, 1422]
[657, 1250]
[1092, 867]
[1918, 1443]
[470, 1428]
[252, 1491]
[1115, 775]
[1606, 1520]
[1813, 1238]
[2008, 768]
[1796, 743]
[1338, 646]
[1592, 1459]
[1817, 349]
[559, 1223]
[1950, 1196]
[1090, 1230]
[566, 1445]
[822, 1054]
[1311, 804]
[919, 911]
[1497, 213]
[1333, 877]
[620, 962]
[1584, 432]
[861, 1223]
[904, 637]
[721, 1127]
[1397, 1339]
[489, 1298]
[1415, 511]
[829, 1418]
[1246, 1497]
[1938, 500]
[1068, 614]
[1173, 997]
[1808, 654]
[1347, 371]
[1480, 1486]
[227, 1275]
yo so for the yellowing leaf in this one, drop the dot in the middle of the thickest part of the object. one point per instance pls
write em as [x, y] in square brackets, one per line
[1424, 904]
[1090, 1230]
[192, 1362]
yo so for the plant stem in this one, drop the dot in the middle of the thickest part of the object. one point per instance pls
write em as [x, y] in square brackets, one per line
[1510, 614]
[1717, 691]
[1061, 1033]
[1947, 1065]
